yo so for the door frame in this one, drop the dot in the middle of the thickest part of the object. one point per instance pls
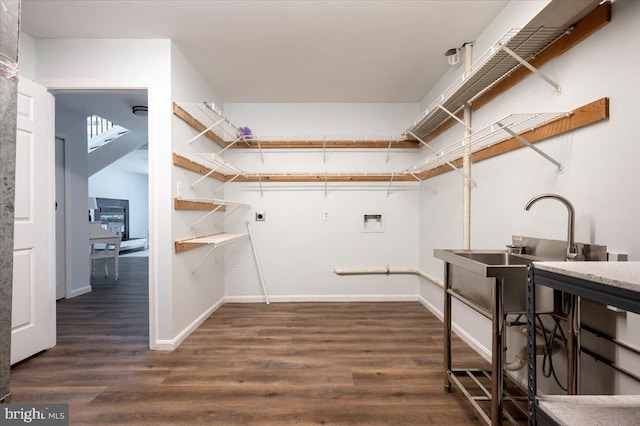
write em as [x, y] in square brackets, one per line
[67, 247]
[153, 89]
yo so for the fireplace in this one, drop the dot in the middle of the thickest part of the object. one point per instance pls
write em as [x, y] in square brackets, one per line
[114, 215]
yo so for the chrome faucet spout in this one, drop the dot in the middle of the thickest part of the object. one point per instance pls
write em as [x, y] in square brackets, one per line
[572, 251]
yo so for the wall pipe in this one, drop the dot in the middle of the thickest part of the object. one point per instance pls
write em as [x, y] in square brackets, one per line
[389, 271]
[466, 159]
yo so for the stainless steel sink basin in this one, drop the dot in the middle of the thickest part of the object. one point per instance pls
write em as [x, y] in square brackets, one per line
[491, 257]
[472, 275]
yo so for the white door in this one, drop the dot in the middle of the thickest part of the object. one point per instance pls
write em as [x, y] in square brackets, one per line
[61, 240]
[33, 314]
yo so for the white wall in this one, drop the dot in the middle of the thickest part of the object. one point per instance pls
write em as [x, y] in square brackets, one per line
[599, 160]
[117, 182]
[27, 57]
[72, 128]
[134, 64]
[298, 249]
[196, 294]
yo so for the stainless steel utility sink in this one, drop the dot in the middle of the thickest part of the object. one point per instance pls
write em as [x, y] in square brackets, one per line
[472, 275]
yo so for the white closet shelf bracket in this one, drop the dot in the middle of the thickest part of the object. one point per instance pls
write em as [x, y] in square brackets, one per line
[326, 178]
[530, 145]
[206, 215]
[390, 182]
[449, 163]
[455, 117]
[206, 130]
[531, 68]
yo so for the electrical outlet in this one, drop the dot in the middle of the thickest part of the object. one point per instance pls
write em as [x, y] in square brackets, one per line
[325, 215]
[179, 189]
[261, 217]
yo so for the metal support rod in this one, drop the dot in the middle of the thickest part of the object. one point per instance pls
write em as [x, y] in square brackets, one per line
[226, 183]
[531, 68]
[207, 215]
[573, 346]
[450, 114]
[326, 178]
[255, 254]
[497, 354]
[447, 329]
[530, 145]
[388, 152]
[390, 182]
[202, 260]
[422, 183]
[446, 161]
[260, 152]
[324, 150]
[466, 160]
[203, 177]
[205, 130]
[228, 146]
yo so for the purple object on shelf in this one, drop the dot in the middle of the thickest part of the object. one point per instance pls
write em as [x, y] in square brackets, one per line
[245, 132]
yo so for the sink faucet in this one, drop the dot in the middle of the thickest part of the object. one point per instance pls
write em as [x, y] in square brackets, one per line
[572, 251]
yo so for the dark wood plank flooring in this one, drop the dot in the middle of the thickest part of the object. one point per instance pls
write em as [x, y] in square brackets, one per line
[283, 364]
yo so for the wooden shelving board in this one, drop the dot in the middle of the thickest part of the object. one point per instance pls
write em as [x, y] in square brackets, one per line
[186, 204]
[212, 240]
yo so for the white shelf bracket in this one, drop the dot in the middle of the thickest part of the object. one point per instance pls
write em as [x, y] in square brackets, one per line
[324, 150]
[422, 183]
[193, 271]
[205, 131]
[326, 176]
[388, 151]
[390, 182]
[531, 68]
[260, 182]
[255, 254]
[207, 215]
[203, 177]
[228, 146]
[446, 161]
[260, 152]
[452, 115]
[226, 183]
[530, 145]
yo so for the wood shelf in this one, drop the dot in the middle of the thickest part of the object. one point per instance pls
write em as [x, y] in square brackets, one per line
[582, 29]
[204, 204]
[201, 117]
[212, 240]
[185, 204]
[587, 114]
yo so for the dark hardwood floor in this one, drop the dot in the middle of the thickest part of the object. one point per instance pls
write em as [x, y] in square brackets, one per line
[283, 364]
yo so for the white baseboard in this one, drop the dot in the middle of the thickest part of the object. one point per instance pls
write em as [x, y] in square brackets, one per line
[325, 298]
[170, 345]
[468, 338]
[80, 291]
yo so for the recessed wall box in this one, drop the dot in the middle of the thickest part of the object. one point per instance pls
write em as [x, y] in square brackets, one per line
[373, 222]
[261, 217]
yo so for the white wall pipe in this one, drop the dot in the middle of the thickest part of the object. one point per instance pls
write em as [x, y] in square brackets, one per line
[389, 271]
[466, 159]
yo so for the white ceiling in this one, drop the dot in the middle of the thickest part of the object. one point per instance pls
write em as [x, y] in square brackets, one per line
[287, 51]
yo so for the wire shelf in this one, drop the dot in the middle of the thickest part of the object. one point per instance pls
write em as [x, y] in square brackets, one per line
[485, 138]
[491, 68]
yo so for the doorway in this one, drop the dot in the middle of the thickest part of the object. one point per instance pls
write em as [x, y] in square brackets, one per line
[115, 169]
